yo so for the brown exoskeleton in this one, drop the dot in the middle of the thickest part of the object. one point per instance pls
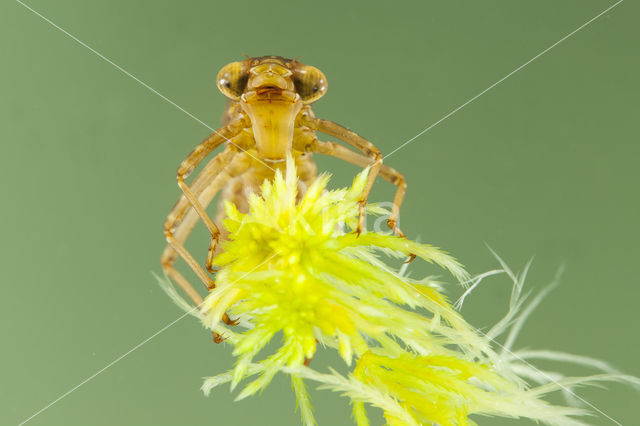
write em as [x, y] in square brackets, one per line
[268, 117]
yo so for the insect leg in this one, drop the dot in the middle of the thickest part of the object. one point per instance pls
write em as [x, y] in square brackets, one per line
[361, 144]
[393, 176]
[241, 164]
[205, 148]
[182, 219]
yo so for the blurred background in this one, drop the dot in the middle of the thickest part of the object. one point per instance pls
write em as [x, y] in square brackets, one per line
[542, 165]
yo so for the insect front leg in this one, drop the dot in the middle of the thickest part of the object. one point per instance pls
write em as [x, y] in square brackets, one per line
[358, 142]
[196, 156]
[182, 219]
[389, 174]
[183, 216]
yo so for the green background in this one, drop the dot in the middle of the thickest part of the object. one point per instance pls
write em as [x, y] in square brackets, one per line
[544, 164]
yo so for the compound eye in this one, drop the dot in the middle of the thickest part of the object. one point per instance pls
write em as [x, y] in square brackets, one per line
[232, 79]
[310, 82]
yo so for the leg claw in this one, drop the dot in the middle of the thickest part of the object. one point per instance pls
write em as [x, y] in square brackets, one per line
[229, 321]
[211, 285]
[218, 338]
[393, 226]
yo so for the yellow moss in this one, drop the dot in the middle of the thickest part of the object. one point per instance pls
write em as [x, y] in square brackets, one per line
[289, 268]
